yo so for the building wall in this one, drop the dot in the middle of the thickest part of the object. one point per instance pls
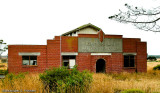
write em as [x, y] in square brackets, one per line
[50, 54]
[141, 57]
[53, 53]
[15, 60]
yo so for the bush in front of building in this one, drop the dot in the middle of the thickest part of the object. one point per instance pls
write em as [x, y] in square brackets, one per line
[64, 80]
[133, 91]
[156, 67]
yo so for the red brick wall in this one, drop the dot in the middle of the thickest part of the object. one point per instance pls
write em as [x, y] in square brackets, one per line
[69, 44]
[130, 45]
[15, 60]
[53, 53]
[113, 36]
[83, 60]
[117, 62]
[141, 57]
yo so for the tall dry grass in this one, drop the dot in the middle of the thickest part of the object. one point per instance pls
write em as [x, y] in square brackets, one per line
[111, 83]
[116, 82]
[29, 83]
[102, 83]
[3, 66]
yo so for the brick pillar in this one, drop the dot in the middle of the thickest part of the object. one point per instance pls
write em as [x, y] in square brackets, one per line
[141, 57]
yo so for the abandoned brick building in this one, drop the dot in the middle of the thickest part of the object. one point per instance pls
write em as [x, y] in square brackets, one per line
[87, 46]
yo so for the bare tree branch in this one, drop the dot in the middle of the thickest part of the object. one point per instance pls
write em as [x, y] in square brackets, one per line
[141, 18]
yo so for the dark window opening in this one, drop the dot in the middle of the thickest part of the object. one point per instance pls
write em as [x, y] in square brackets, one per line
[100, 66]
[29, 60]
[69, 61]
[129, 61]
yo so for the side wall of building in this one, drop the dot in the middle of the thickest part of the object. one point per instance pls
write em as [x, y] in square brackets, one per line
[15, 60]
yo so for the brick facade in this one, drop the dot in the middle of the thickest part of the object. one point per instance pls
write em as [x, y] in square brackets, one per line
[50, 54]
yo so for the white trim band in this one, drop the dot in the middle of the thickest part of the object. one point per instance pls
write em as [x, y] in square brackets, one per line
[129, 53]
[100, 53]
[69, 53]
[29, 53]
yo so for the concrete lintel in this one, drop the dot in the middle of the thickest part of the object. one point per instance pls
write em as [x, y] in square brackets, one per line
[129, 53]
[29, 53]
[100, 53]
[68, 53]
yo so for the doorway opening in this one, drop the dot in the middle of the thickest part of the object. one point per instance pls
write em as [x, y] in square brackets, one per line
[100, 66]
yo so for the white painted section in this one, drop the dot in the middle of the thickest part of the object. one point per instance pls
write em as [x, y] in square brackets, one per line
[29, 53]
[72, 62]
[129, 53]
[87, 31]
[69, 53]
[74, 34]
[101, 54]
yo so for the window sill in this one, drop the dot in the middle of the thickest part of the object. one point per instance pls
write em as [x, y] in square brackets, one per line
[29, 65]
[129, 67]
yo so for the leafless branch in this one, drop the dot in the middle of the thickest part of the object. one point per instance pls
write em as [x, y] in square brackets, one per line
[141, 18]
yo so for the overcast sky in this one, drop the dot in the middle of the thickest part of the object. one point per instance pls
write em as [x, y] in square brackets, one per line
[35, 21]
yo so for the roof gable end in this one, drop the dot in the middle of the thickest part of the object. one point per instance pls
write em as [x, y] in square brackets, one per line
[89, 25]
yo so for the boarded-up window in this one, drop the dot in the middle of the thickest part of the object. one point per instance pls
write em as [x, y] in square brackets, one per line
[129, 61]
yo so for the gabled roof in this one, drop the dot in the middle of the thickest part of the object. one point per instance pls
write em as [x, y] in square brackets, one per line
[82, 27]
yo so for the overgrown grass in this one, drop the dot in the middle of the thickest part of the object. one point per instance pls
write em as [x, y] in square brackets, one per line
[102, 83]
[22, 82]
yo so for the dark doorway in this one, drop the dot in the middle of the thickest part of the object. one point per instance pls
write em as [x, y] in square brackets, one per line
[100, 66]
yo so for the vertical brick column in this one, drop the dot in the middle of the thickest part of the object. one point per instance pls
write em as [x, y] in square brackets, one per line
[117, 62]
[53, 52]
[141, 57]
[83, 61]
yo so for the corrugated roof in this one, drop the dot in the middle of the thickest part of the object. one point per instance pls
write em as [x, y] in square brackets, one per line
[82, 27]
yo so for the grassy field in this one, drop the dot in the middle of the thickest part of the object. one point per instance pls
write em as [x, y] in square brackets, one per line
[102, 83]
[3, 66]
[150, 65]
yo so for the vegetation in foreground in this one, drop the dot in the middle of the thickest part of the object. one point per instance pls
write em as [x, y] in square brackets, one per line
[101, 83]
[63, 80]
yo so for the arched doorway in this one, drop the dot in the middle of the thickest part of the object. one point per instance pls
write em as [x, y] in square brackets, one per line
[100, 66]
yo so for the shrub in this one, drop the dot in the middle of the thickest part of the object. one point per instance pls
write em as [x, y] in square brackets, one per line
[152, 58]
[3, 60]
[64, 80]
[3, 72]
[133, 91]
[156, 67]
